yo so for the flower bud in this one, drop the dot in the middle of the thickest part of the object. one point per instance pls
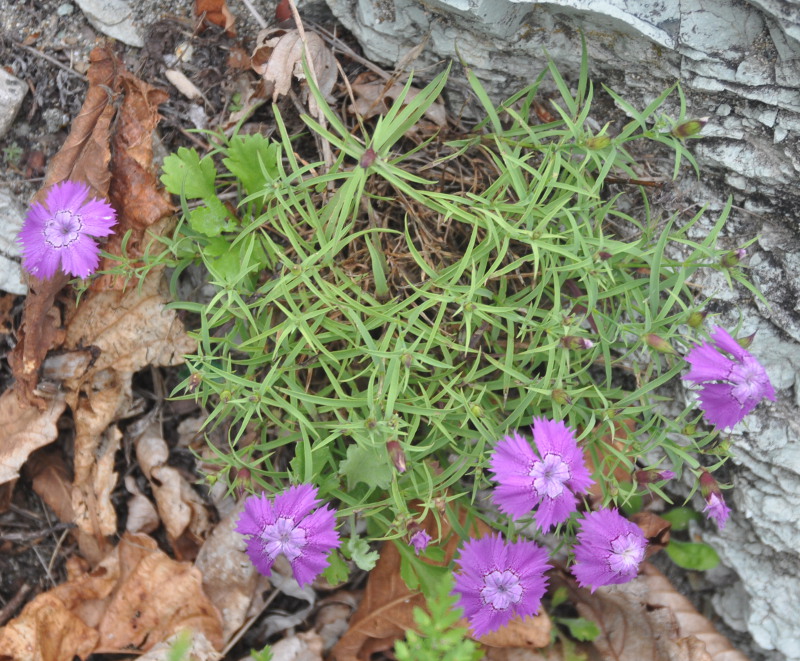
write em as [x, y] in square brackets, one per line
[697, 318]
[650, 476]
[604, 255]
[574, 343]
[598, 142]
[368, 158]
[477, 410]
[407, 360]
[397, 455]
[561, 396]
[708, 484]
[689, 128]
[418, 538]
[746, 341]
[658, 343]
[733, 258]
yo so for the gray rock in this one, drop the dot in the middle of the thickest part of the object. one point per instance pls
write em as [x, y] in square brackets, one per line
[12, 93]
[113, 18]
[12, 215]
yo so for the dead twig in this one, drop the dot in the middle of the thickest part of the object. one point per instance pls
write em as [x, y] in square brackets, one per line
[52, 60]
[7, 611]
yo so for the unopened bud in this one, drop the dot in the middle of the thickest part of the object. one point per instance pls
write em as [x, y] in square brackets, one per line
[746, 341]
[733, 258]
[689, 128]
[598, 142]
[225, 396]
[418, 538]
[650, 476]
[604, 255]
[477, 410]
[408, 360]
[689, 430]
[697, 318]
[397, 455]
[242, 482]
[658, 343]
[561, 396]
[574, 343]
[708, 484]
[368, 158]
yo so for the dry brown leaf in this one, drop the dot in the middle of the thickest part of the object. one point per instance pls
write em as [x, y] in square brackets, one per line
[655, 529]
[370, 100]
[200, 649]
[386, 610]
[691, 624]
[120, 605]
[306, 646]
[141, 612]
[84, 156]
[216, 12]
[142, 515]
[180, 508]
[647, 619]
[46, 631]
[230, 580]
[278, 57]
[25, 429]
[135, 192]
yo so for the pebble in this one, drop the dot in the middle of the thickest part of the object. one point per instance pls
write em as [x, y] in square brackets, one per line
[65, 10]
[12, 92]
[12, 215]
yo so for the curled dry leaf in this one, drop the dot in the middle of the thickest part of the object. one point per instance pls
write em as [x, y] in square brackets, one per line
[278, 57]
[200, 649]
[180, 507]
[647, 619]
[230, 580]
[691, 624]
[120, 605]
[371, 95]
[25, 429]
[134, 191]
[216, 12]
[84, 156]
[386, 610]
[306, 646]
[655, 529]
[142, 515]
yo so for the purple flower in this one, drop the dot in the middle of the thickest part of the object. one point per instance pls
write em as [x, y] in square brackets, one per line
[609, 549]
[286, 525]
[731, 386]
[58, 233]
[419, 540]
[498, 581]
[550, 480]
[716, 509]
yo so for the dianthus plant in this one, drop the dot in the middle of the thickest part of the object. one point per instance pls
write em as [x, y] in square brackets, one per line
[387, 330]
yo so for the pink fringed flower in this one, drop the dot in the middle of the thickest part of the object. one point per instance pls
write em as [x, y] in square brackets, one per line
[715, 510]
[609, 549]
[549, 480]
[58, 232]
[498, 581]
[732, 381]
[287, 525]
[419, 541]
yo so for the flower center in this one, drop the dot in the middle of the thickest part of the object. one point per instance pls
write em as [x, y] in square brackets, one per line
[627, 552]
[549, 475]
[285, 537]
[748, 380]
[63, 228]
[501, 589]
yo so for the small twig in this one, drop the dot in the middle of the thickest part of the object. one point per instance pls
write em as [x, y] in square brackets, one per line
[34, 534]
[7, 611]
[343, 48]
[52, 60]
[327, 154]
[259, 18]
